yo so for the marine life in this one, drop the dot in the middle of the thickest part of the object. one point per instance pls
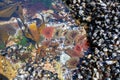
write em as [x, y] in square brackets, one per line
[48, 32]
[72, 63]
[6, 31]
[59, 40]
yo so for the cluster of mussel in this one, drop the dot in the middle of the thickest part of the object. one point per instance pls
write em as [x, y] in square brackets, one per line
[102, 18]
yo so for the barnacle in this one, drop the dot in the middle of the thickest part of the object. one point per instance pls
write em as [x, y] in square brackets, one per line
[48, 66]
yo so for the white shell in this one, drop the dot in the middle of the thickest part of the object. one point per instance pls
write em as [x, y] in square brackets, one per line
[105, 49]
[64, 57]
[74, 1]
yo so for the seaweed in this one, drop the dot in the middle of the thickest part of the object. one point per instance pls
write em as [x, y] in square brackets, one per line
[23, 41]
[2, 45]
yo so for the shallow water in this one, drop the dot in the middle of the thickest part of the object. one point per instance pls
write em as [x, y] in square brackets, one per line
[59, 40]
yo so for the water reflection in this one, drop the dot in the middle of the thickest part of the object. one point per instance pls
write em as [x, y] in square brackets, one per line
[2, 77]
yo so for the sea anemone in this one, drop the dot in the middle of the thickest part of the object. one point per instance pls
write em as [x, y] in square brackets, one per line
[71, 35]
[41, 51]
[64, 33]
[72, 63]
[68, 42]
[46, 43]
[85, 45]
[72, 53]
[48, 32]
[78, 48]
[79, 38]
[54, 44]
[58, 33]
